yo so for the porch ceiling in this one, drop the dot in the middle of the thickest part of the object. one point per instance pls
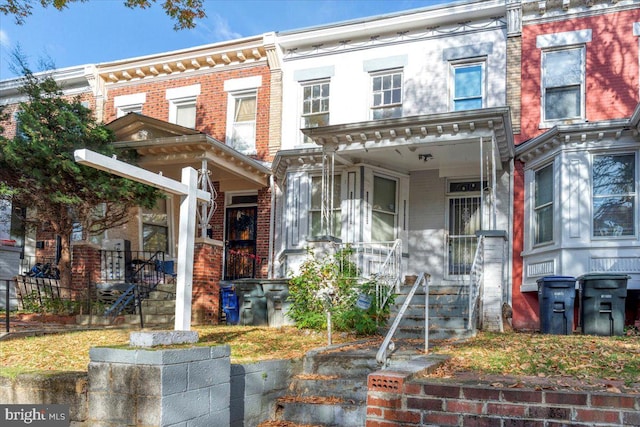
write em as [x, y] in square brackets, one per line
[167, 148]
[447, 142]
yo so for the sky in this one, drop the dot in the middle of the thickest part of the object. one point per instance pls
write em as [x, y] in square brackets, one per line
[100, 31]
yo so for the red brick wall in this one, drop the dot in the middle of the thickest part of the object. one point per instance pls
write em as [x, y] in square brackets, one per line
[211, 104]
[85, 266]
[611, 67]
[395, 400]
[262, 248]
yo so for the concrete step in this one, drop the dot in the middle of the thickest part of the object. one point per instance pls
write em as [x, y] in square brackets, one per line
[321, 414]
[434, 322]
[434, 333]
[417, 311]
[350, 389]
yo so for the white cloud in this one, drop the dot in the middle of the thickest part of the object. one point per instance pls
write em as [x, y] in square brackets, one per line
[215, 28]
[4, 39]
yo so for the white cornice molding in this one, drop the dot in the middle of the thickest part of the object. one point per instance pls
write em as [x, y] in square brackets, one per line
[240, 52]
[541, 11]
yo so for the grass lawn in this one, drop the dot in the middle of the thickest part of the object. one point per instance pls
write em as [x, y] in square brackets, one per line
[535, 358]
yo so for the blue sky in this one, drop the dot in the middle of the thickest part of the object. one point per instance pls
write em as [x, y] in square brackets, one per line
[105, 30]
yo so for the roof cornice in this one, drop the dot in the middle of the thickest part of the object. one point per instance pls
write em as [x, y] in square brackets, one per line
[540, 11]
[71, 80]
[239, 52]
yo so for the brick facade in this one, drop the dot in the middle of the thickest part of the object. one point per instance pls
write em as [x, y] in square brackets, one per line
[207, 272]
[394, 399]
[85, 266]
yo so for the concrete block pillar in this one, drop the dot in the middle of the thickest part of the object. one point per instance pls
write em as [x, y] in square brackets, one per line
[494, 280]
[153, 388]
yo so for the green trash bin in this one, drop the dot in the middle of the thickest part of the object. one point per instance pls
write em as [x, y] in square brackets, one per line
[252, 303]
[278, 304]
[603, 303]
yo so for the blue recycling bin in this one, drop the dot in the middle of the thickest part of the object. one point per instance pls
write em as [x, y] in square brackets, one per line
[229, 304]
[556, 298]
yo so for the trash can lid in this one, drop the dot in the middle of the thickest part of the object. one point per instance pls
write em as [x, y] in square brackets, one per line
[603, 276]
[556, 279]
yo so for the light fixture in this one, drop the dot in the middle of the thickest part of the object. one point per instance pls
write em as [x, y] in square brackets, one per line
[425, 157]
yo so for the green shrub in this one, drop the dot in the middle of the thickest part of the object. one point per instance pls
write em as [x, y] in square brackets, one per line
[333, 284]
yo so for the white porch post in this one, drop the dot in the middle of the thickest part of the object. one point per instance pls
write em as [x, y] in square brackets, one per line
[190, 195]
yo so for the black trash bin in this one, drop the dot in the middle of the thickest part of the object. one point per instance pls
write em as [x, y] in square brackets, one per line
[556, 297]
[603, 303]
[253, 303]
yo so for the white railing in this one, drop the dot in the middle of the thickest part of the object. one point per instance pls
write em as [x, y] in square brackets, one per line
[475, 286]
[381, 261]
[382, 356]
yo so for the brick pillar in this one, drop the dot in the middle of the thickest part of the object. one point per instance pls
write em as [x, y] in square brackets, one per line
[207, 273]
[85, 265]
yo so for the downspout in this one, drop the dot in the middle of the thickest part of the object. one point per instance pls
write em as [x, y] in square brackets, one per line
[272, 226]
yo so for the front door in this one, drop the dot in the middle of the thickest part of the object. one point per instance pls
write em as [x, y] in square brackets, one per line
[240, 243]
[464, 218]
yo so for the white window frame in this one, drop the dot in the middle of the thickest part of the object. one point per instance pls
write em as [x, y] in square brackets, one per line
[580, 117]
[180, 97]
[535, 209]
[458, 65]
[320, 112]
[633, 194]
[337, 208]
[125, 104]
[383, 106]
[233, 98]
[396, 210]
[169, 225]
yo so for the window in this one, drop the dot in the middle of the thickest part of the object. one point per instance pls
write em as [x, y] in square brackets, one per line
[315, 209]
[125, 104]
[386, 95]
[182, 105]
[315, 105]
[614, 195]
[155, 228]
[243, 128]
[543, 205]
[563, 84]
[468, 86]
[384, 210]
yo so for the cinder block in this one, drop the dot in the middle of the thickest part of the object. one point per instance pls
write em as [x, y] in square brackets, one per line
[123, 379]
[174, 379]
[99, 374]
[111, 408]
[219, 397]
[148, 410]
[185, 406]
[149, 380]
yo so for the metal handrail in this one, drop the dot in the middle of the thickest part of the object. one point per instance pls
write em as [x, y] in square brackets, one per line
[475, 275]
[387, 345]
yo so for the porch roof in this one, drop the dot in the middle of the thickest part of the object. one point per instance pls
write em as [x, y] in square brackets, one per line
[433, 141]
[167, 148]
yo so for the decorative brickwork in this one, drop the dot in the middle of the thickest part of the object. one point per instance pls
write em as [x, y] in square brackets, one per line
[454, 404]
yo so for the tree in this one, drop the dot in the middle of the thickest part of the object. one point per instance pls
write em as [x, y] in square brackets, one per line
[38, 171]
[184, 12]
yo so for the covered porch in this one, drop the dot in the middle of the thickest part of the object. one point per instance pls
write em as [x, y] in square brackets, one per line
[428, 186]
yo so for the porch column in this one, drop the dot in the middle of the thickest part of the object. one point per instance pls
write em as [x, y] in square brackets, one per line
[207, 273]
[85, 268]
[493, 280]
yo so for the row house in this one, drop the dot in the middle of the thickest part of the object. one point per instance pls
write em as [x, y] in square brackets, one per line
[577, 172]
[487, 143]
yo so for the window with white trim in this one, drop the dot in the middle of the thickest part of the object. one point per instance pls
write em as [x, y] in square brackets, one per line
[125, 104]
[386, 94]
[614, 195]
[155, 227]
[315, 105]
[315, 208]
[243, 126]
[468, 86]
[563, 76]
[182, 105]
[543, 205]
[384, 209]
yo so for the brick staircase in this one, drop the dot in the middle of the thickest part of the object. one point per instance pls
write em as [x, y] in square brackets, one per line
[332, 390]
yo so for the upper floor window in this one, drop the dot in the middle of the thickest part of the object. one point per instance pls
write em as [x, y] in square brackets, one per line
[614, 195]
[468, 86]
[384, 210]
[563, 75]
[315, 208]
[386, 90]
[543, 205]
[315, 105]
[243, 125]
[182, 105]
[125, 104]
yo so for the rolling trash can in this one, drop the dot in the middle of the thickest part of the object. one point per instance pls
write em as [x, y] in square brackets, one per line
[603, 303]
[556, 298]
[230, 304]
